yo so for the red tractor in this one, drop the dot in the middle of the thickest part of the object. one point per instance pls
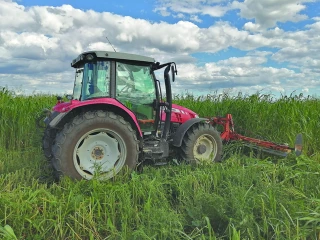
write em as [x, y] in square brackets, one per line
[117, 118]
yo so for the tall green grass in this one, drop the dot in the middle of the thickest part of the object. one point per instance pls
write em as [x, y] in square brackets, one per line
[18, 114]
[241, 198]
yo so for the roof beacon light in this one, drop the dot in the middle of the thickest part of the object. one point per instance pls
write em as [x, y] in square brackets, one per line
[89, 57]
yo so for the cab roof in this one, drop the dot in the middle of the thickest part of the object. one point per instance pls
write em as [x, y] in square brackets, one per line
[112, 55]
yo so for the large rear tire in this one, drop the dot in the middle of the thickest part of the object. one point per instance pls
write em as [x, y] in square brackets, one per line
[201, 143]
[95, 143]
[48, 138]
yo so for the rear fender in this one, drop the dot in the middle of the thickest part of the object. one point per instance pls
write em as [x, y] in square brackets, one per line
[183, 128]
[65, 111]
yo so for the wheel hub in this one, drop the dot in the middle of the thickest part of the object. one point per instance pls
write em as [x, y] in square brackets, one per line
[201, 149]
[205, 148]
[97, 153]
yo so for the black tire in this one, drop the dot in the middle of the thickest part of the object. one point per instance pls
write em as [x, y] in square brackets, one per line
[48, 138]
[48, 170]
[201, 143]
[95, 143]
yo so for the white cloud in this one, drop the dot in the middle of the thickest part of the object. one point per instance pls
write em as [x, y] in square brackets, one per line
[57, 83]
[252, 27]
[267, 13]
[195, 18]
[179, 15]
[215, 8]
[246, 74]
[247, 61]
[163, 11]
[8, 16]
[37, 48]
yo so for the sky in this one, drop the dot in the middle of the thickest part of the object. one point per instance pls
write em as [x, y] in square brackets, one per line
[248, 46]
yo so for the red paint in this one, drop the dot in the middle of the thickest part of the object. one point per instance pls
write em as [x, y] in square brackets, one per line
[229, 135]
[73, 104]
[179, 114]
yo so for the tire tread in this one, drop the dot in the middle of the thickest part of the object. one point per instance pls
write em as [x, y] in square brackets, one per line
[70, 127]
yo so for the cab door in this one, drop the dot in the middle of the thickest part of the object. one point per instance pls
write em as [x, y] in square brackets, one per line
[135, 88]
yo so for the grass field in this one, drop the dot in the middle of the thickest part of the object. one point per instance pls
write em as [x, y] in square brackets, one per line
[241, 198]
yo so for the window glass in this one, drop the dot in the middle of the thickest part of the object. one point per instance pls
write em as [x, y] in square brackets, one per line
[135, 88]
[78, 84]
[135, 82]
[96, 80]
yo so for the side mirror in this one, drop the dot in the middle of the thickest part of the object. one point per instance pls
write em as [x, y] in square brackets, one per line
[59, 100]
[173, 73]
[166, 73]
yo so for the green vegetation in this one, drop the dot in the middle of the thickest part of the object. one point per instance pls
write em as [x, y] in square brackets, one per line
[241, 198]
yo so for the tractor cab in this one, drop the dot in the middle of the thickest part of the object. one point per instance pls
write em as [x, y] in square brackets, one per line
[128, 78]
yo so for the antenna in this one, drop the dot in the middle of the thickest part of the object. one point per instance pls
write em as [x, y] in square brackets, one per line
[110, 44]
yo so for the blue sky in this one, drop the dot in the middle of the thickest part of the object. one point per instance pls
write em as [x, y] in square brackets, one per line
[250, 46]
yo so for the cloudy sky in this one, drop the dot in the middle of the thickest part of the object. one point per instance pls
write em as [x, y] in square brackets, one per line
[271, 46]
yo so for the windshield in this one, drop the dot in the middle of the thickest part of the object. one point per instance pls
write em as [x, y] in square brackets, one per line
[135, 82]
[92, 80]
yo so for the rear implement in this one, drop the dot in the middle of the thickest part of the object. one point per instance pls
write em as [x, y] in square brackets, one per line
[273, 148]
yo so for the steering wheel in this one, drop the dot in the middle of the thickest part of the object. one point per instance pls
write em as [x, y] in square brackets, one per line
[129, 87]
[126, 89]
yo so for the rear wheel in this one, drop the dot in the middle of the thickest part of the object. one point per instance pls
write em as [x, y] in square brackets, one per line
[201, 143]
[97, 144]
[47, 142]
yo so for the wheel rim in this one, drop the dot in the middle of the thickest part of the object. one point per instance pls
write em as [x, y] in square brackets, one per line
[99, 152]
[205, 148]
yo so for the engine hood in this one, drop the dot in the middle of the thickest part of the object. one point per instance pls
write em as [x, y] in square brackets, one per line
[179, 114]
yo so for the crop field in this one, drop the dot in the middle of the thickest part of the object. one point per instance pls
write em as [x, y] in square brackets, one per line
[247, 196]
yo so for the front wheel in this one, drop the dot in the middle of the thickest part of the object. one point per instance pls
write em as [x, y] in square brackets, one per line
[97, 144]
[201, 143]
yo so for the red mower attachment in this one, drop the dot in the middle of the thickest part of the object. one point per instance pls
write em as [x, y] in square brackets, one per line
[229, 134]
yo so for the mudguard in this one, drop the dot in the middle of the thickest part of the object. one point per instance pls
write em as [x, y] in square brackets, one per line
[62, 109]
[54, 118]
[183, 128]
